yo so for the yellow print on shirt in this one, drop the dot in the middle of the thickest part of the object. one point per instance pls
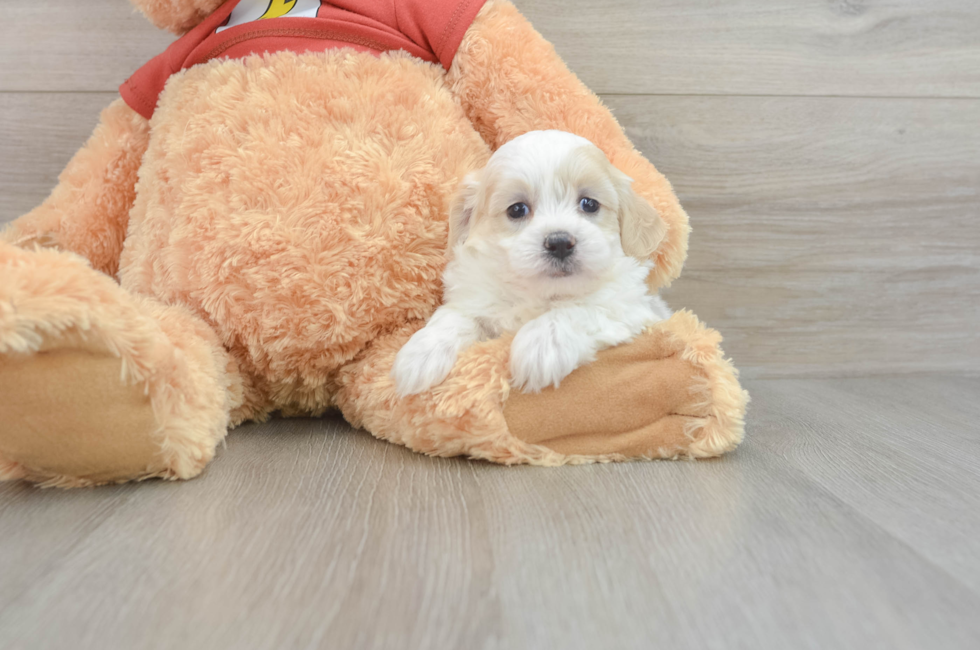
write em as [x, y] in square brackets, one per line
[278, 8]
[248, 11]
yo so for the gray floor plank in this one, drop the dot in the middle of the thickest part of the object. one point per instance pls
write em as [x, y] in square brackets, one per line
[913, 473]
[767, 47]
[815, 534]
[59, 45]
[830, 235]
[740, 553]
[296, 518]
[35, 544]
[807, 47]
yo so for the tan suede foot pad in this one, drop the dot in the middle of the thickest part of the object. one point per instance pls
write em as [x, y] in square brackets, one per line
[609, 413]
[67, 415]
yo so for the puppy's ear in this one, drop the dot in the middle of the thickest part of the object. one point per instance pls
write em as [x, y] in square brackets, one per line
[640, 227]
[463, 207]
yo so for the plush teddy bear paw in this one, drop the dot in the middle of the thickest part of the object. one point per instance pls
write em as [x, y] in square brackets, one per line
[668, 393]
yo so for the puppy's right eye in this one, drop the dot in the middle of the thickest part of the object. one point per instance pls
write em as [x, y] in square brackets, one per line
[518, 211]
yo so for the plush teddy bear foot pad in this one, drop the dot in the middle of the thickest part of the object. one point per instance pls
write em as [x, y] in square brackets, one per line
[68, 419]
[95, 389]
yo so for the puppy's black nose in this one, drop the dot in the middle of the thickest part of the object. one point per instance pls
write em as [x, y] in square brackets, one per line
[559, 244]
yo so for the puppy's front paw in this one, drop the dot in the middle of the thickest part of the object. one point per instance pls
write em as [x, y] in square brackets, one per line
[423, 362]
[539, 357]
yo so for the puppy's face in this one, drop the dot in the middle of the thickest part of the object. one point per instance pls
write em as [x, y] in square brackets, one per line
[556, 208]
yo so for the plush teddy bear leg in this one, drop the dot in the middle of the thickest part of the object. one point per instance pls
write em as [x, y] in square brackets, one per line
[670, 393]
[98, 385]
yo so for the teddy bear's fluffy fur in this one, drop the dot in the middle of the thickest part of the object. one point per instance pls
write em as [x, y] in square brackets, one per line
[278, 231]
[177, 16]
[313, 228]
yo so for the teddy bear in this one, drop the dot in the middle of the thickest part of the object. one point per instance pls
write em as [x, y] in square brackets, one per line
[259, 223]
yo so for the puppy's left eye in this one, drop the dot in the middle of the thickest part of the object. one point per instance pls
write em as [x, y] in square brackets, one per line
[589, 205]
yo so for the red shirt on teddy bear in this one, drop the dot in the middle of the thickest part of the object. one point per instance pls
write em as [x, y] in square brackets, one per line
[429, 29]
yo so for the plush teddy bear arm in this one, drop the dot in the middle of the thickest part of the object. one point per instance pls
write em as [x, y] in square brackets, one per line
[670, 393]
[88, 211]
[510, 80]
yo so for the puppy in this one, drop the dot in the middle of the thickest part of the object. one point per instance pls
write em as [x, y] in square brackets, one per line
[548, 241]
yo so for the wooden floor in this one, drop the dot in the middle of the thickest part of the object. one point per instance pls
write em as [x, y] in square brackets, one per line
[849, 519]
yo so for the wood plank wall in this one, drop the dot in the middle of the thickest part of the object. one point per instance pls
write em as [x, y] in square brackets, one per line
[828, 152]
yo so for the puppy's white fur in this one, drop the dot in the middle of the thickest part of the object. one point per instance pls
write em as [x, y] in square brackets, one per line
[501, 277]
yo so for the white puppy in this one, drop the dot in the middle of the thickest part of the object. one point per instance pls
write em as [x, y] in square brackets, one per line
[548, 241]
